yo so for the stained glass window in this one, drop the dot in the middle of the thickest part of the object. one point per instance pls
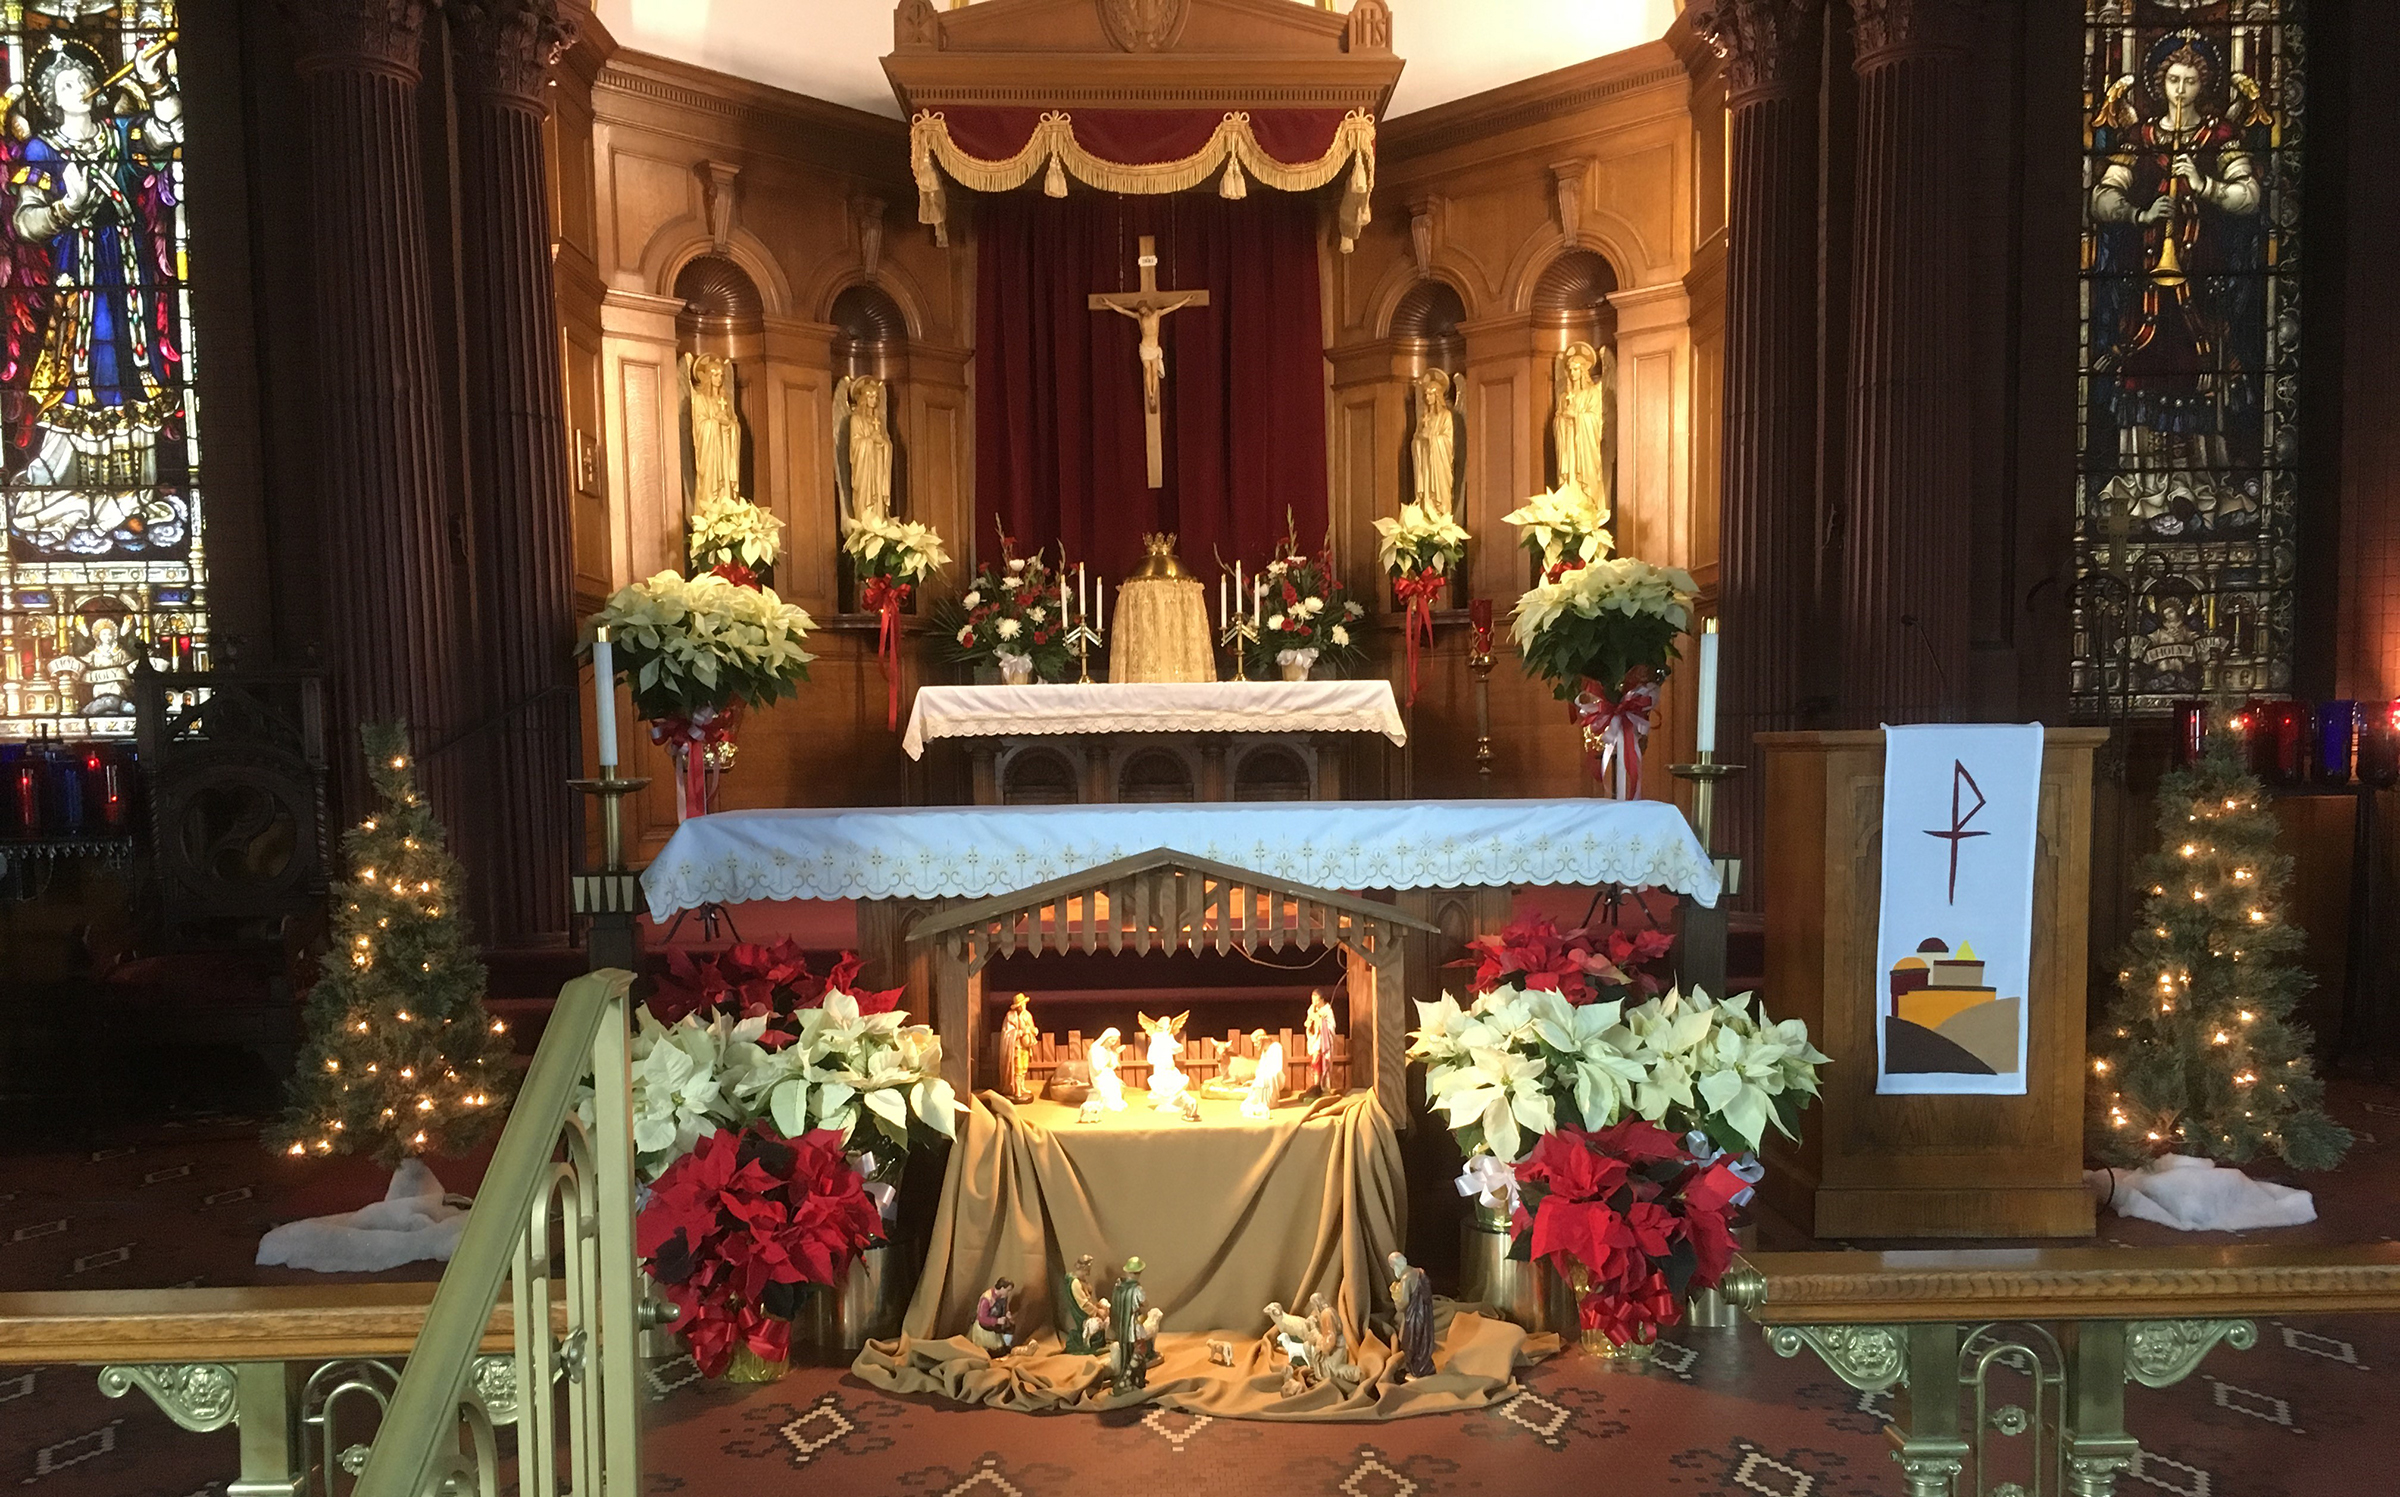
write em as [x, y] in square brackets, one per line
[2191, 332]
[99, 452]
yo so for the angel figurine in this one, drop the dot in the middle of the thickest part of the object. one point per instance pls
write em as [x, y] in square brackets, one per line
[1166, 1047]
[1106, 1054]
[1319, 1029]
[1268, 1085]
[1433, 450]
[1579, 425]
[862, 445]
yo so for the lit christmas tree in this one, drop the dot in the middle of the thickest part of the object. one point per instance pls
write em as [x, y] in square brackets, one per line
[2199, 1053]
[401, 1060]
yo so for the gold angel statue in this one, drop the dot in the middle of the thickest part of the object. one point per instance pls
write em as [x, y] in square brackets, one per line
[1581, 379]
[716, 429]
[1433, 450]
[862, 445]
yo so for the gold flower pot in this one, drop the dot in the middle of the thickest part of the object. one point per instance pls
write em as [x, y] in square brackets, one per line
[865, 1306]
[1526, 1293]
[748, 1366]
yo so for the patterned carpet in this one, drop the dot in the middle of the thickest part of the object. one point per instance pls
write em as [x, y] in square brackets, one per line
[1718, 1414]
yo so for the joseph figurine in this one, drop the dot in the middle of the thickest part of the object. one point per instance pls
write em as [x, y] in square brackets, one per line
[1019, 1035]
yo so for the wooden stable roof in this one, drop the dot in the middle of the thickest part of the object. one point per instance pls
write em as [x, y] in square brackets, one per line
[1163, 900]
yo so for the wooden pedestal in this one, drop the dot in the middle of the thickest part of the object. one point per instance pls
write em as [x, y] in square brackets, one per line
[1898, 1167]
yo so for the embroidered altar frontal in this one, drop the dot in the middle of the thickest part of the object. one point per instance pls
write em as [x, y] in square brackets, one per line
[934, 852]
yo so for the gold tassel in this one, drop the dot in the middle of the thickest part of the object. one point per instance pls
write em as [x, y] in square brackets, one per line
[1233, 184]
[1054, 183]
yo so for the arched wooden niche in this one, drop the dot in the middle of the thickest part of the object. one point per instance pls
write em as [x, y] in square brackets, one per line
[869, 334]
[722, 312]
[1426, 324]
[1570, 302]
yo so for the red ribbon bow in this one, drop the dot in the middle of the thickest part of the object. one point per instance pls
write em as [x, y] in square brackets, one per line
[691, 738]
[887, 597]
[1418, 591]
[1623, 724]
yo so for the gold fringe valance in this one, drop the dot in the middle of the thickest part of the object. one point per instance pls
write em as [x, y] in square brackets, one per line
[1053, 150]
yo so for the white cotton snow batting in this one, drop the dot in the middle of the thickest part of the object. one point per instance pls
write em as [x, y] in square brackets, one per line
[410, 1224]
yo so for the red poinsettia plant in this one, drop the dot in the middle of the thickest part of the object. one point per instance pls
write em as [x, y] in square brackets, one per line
[1581, 965]
[749, 981]
[736, 1230]
[1630, 1218]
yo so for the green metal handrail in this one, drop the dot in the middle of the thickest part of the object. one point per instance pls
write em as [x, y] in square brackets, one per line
[417, 1451]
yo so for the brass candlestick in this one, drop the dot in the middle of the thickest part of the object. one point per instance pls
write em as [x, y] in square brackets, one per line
[1083, 636]
[1479, 660]
[1241, 632]
[1704, 776]
[610, 790]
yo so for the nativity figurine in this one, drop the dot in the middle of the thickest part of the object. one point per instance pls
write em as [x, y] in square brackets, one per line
[995, 1328]
[1019, 1037]
[1412, 1315]
[1267, 1086]
[1126, 1353]
[1105, 1055]
[1166, 1048]
[1289, 1336]
[1220, 1353]
[1187, 1103]
[1329, 1347]
[1319, 1028]
[1081, 1316]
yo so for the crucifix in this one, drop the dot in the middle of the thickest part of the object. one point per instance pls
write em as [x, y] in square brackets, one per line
[1146, 306]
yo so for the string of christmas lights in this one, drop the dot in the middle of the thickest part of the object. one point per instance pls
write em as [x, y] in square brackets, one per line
[400, 1058]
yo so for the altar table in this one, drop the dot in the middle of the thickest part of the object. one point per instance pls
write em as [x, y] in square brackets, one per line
[968, 852]
[1070, 708]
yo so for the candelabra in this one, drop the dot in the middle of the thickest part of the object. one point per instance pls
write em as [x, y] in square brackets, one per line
[1238, 636]
[1082, 637]
[611, 898]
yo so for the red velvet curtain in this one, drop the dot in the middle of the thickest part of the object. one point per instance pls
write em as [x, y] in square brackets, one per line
[1058, 385]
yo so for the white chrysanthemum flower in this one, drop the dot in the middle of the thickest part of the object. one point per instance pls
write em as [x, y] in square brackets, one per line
[1010, 628]
[966, 636]
[1276, 622]
[972, 599]
[1341, 636]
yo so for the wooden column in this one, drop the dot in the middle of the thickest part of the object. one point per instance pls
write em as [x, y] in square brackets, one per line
[1904, 525]
[516, 441]
[1766, 592]
[392, 537]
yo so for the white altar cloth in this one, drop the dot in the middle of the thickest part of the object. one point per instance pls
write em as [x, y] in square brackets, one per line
[972, 851]
[1154, 707]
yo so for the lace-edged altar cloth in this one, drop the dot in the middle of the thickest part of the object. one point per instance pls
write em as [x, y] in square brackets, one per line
[972, 851]
[1069, 707]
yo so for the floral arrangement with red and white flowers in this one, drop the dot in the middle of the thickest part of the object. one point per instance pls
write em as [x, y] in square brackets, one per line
[1013, 616]
[696, 650]
[1420, 550]
[891, 559]
[1305, 617]
[734, 1231]
[1581, 965]
[1631, 1219]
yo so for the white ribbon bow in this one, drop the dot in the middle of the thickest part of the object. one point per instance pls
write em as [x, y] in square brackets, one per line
[1492, 1181]
[886, 1199]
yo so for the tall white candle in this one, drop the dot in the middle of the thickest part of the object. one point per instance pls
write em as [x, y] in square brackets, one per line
[1705, 737]
[1083, 599]
[604, 696]
[1238, 587]
[1258, 597]
[1102, 590]
[1066, 611]
[1224, 613]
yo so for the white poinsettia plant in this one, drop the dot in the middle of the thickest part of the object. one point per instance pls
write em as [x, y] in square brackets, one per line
[733, 529]
[1561, 525]
[697, 1075]
[1602, 620]
[902, 550]
[1419, 541]
[687, 643]
[1515, 1063]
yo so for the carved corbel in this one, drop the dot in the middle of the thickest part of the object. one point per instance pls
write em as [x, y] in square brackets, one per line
[716, 190]
[867, 212]
[1567, 177]
[915, 27]
[1420, 234]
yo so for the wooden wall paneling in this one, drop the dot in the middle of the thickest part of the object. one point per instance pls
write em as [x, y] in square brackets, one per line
[941, 441]
[795, 447]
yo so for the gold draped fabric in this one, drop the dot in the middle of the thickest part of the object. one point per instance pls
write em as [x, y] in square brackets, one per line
[1227, 1216]
[1161, 632]
[1053, 150]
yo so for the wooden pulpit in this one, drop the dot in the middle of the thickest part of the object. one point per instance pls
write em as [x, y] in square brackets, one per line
[1919, 1166]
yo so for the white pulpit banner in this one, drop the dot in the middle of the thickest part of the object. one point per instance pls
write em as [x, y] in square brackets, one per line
[1954, 943]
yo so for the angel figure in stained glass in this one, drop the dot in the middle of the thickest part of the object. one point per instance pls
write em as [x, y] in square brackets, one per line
[89, 341]
[99, 682]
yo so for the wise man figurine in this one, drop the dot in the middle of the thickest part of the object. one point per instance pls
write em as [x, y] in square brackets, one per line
[1126, 1356]
[1019, 1036]
[1412, 1316]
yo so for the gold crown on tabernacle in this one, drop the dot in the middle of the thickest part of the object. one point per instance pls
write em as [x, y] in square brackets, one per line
[1160, 560]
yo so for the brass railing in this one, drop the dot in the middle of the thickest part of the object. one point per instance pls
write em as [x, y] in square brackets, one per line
[2012, 1364]
[401, 1388]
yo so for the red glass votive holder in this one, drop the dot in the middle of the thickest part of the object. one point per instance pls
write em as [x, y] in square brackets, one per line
[2191, 732]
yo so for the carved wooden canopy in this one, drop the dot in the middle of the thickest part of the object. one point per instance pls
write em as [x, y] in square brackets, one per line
[1142, 54]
